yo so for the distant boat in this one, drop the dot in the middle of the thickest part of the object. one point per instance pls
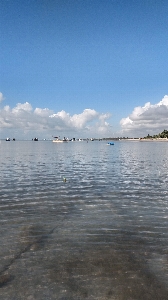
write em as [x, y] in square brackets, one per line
[110, 144]
[35, 139]
[8, 139]
[57, 140]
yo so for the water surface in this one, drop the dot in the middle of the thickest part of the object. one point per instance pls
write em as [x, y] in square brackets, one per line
[83, 220]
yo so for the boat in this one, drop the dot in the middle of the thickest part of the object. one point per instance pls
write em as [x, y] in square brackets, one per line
[110, 144]
[8, 139]
[57, 140]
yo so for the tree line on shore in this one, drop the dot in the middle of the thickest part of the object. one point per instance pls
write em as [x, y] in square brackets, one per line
[163, 134]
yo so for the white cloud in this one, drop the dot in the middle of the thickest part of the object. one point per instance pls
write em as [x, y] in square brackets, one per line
[76, 121]
[24, 121]
[20, 108]
[1, 97]
[151, 118]
[43, 112]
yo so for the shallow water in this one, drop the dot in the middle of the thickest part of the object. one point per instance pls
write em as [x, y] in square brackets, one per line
[100, 234]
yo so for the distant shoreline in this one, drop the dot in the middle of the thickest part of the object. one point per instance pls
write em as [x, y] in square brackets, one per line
[146, 140]
[154, 140]
[105, 139]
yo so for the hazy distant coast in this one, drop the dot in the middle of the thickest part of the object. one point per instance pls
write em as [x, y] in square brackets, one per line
[161, 137]
[146, 140]
[154, 140]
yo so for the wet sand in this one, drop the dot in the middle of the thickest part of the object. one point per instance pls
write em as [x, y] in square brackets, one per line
[58, 263]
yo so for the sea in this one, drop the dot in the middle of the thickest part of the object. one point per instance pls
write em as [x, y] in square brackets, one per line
[83, 220]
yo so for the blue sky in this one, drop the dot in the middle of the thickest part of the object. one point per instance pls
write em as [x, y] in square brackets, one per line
[86, 65]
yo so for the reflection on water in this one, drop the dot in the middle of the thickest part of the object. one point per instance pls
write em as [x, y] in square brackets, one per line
[101, 234]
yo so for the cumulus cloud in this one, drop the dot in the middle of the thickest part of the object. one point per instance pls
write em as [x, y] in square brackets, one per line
[76, 121]
[24, 120]
[150, 118]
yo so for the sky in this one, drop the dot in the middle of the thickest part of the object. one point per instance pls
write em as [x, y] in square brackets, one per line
[83, 68]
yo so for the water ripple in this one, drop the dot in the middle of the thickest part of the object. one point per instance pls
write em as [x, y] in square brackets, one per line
[83, 220]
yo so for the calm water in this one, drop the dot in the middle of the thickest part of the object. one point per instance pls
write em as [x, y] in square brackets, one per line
[100, 234]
